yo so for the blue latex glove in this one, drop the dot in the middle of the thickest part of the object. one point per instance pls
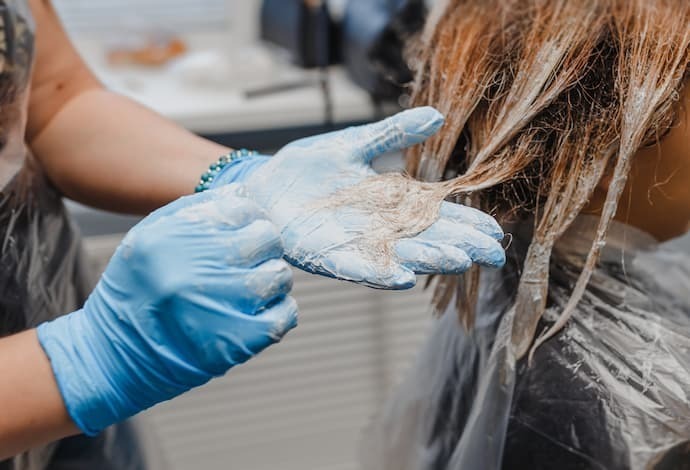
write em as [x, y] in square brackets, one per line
[295, 185]
[196, 288]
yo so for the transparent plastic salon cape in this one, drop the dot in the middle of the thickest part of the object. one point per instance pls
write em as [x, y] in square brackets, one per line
[42, 273]
[610, 392]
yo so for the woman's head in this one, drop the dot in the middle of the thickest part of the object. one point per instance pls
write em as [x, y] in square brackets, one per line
[547, 104]
[656, 198]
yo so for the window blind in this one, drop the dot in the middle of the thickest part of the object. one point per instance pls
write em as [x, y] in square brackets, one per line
[114, 15]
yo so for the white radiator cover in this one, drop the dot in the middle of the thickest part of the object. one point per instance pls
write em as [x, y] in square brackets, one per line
[302, 404]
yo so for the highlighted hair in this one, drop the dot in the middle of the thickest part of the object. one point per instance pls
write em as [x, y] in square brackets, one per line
[542, 98]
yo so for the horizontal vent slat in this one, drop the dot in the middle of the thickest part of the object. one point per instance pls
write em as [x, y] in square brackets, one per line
[272, 420]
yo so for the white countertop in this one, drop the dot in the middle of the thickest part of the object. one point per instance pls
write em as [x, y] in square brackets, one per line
[221, 107]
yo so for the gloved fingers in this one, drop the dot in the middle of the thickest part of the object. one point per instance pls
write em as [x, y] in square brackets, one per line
[214, 222]
[348, 265]
[250, 335]
[398, 132]
[174, 207]
[251, 290]
[480, 247]
[280, 318]
[474, 217]
[252, 245]
[229, 338]
[232, 191]
[223, 209]
[425, 257]
[229, 190]
[272, 324]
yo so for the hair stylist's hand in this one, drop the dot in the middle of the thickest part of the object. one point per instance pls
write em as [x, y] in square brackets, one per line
[196, 288]
[297, 185]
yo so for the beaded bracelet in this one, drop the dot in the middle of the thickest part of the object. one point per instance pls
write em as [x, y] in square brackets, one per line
[207, 178]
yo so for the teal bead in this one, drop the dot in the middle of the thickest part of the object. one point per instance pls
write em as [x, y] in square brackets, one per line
[215, 168]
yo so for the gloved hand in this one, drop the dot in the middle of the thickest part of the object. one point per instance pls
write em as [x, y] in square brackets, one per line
[196, 288]
[296, 185]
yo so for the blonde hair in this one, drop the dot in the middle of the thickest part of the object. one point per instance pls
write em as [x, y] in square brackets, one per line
[542, 98]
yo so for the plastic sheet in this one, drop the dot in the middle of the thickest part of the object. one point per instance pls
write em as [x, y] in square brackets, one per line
[42, 274]
[611, 391]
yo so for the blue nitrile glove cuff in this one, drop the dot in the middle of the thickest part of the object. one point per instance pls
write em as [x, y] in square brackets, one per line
[240, 170]
[66, 342]
[88, 367]
[69, 380]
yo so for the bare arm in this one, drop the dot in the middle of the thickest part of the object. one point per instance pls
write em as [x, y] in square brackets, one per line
[33, 412]
[100, 148]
